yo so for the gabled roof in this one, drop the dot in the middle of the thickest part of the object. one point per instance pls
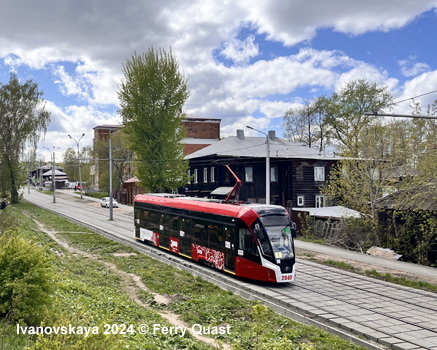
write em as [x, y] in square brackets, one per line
[255, 147]
[423, 197]
[57, 173]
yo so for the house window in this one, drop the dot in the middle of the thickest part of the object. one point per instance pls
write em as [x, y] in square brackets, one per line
[248, 174]
[205, 174]
[195, 176]
[274, 174]
[320, 201]
[300, 201]
[212, 174]
[189, 176]
[319, 174]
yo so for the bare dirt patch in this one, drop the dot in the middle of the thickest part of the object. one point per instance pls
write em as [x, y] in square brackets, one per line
[124, 255]
[132, 283]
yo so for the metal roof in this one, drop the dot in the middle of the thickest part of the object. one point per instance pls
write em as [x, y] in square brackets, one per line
[336, 212]
[255, 147]
[57, 173]
[222, 191]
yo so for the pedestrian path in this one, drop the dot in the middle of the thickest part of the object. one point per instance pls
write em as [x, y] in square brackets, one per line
[369, 259]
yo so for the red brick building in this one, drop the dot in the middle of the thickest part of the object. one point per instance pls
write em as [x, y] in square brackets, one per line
[200, 133]
[102, 131]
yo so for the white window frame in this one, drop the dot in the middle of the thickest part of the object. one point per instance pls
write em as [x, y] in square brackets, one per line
[205, 175]
[274, 174]
[248, 175]
[320, 201]
[195, 176]
[212, 174]
[300, 201]
[189, 176]
[319, 173]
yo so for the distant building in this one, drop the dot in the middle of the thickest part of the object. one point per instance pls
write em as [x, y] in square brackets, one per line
[200, 133]
[103, 131]
[43, 173]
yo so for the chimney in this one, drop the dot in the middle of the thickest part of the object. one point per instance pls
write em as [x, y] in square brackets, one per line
[272, 135]
[240, 134]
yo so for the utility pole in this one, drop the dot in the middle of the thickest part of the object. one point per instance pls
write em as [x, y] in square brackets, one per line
[53, 178]
[52, 154]
[110, 179]
[78, 159]
[28, 176]
[267, 164]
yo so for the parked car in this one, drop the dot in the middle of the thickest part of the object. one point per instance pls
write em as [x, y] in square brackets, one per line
[105, 202]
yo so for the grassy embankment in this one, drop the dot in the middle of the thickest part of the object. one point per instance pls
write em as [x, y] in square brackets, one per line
[94, 287]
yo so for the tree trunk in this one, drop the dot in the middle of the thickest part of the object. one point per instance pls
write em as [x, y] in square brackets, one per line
[14, 189]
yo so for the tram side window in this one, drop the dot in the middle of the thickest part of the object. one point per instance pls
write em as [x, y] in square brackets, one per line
[185, 228]
[171, 223]
[155, 222]
[144, 219]
[199, 233]
[215, 237]
[263, 239]
[143, 216]
[246, 242]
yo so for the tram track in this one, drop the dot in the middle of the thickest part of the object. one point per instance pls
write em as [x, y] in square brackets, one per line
[354, 280]
[366, 311]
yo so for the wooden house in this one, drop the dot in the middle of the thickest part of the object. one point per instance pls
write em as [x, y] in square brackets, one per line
[296, 171]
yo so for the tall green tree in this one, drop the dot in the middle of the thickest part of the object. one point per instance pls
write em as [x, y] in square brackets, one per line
[366, 144]
[346, 113]
[71, 166]
[23, 119]
[152, 95]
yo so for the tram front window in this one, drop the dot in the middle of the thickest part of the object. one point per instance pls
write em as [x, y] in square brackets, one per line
[279, 229]
[281, 240]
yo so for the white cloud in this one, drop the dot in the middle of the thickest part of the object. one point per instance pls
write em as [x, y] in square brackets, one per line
[422, 84]
[292, 22]
[411, 68]
[241, 51]
[96, 37]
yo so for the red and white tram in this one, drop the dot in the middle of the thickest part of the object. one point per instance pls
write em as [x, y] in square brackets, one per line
[251, 240]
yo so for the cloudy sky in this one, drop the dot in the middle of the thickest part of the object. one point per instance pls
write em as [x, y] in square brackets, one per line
[247, 61]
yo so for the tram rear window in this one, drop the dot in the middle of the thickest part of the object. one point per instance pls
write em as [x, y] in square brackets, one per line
[275, 220]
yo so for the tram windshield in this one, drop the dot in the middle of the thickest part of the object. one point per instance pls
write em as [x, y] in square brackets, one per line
[278, 229]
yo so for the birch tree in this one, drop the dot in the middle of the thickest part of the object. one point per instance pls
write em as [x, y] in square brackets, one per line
[23, 119]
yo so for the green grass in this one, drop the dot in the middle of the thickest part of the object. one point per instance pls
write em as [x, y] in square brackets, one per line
[90, 293]
[402, 281]
[98, 195]
[340, 264]
[312, 240]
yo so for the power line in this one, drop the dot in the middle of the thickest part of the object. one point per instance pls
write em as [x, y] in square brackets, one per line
[407, 99]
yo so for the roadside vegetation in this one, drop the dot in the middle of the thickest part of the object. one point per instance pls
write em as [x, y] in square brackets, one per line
[403, 281]
[95, 281]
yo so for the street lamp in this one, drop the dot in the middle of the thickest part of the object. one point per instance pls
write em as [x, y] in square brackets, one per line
[267, 164]
[78, 158]
[52, 154]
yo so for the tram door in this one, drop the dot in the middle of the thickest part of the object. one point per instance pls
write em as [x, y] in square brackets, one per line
[229, 248]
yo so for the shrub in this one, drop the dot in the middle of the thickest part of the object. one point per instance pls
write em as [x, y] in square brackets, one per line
[26, 278]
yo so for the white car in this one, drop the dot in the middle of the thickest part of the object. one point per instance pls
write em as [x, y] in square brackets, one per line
[105, 202]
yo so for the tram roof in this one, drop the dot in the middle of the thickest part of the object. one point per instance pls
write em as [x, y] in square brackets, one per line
[196, 205]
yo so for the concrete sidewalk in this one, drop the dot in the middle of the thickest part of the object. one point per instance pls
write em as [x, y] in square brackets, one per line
[368, 259]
